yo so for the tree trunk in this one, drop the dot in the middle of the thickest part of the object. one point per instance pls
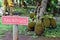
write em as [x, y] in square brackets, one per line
[19, 3]
[13, 1]
[43, 7]
[22, 3]
[16, 2]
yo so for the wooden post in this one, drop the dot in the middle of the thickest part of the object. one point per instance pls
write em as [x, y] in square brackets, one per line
[15, 32]
[4, 6]
[15, 26]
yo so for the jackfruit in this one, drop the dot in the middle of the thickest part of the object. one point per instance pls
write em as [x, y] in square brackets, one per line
[31, 26]
[32, 15]
[53, 22]
[39, 28]
[46, 22]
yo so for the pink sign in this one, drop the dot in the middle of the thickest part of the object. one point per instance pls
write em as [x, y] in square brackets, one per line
[15, 20]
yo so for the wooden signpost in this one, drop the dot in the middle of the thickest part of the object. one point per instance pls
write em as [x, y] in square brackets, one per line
[15, 20]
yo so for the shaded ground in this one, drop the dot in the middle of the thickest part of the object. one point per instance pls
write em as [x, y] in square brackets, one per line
[8, 36]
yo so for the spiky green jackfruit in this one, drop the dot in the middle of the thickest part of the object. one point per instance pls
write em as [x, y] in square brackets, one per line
[32, 15]
[53, 22]
[39, 28]
[46, 22]
[31, 25]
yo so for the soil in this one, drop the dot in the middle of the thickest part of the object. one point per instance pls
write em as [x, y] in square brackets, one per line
[8, 36]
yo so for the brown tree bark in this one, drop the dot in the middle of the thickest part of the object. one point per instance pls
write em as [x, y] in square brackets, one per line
[22, 3]
[43, 7]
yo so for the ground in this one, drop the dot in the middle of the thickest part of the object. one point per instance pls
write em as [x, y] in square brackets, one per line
[8, 36]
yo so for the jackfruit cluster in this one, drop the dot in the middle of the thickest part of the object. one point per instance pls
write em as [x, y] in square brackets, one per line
[39, 26]
[49, 21]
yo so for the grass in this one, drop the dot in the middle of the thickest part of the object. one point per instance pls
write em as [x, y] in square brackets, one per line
[24, 11]
[52, 32]
[4, 28]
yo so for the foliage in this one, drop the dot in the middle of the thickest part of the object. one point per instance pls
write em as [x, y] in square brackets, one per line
[24, 11]
[0, 3]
